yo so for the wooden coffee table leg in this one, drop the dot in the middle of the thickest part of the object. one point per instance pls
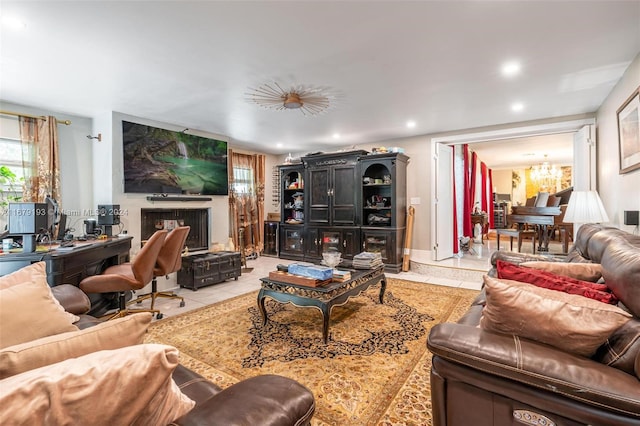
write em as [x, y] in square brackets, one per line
[383, 288]
[326, 315]
[263, 311]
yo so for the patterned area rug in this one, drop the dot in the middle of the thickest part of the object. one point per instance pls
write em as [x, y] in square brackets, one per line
[374, 370]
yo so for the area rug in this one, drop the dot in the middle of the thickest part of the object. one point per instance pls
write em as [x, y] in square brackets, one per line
[373, 371]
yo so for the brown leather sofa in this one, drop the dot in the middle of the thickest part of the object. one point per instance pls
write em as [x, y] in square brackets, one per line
[260, 400]
[480, 377]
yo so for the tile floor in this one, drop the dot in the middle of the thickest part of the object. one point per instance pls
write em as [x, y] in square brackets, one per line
[463, 271]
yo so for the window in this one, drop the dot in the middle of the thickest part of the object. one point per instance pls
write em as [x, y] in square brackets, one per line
[243, 180]
[11, 170]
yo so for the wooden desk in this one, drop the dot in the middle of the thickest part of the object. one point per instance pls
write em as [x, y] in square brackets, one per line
[70, 267]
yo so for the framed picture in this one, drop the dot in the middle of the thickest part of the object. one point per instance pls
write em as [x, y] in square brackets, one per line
[629, 133]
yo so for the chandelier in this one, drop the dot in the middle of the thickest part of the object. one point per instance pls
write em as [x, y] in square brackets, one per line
[309, 100]
[546, 175]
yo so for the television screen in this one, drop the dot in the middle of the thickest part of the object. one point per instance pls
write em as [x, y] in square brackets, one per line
[160, 161]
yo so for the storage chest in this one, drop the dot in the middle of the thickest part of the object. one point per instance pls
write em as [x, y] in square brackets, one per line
[200, 270]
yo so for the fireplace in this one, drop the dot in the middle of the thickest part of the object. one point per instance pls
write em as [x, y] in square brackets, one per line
[152, 220]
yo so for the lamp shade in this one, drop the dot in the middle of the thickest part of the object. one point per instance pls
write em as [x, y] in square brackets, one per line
[585, 207]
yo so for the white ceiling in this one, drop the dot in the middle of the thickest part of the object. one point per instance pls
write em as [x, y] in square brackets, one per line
[525, 152]
[190, 64]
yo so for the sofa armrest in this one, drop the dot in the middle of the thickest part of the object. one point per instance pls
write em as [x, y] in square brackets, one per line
[71, 298]
[267, 400]
[537, 365]
[518, 258]
[194, 385]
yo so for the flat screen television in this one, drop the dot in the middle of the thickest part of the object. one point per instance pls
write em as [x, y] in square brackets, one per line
[161, 161]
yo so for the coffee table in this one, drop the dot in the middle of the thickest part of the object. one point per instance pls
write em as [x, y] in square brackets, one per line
[324, 297]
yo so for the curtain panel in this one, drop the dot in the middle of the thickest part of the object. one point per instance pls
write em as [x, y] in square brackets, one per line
[40, 158]
[456, 244]
[467, 228]
[246, 208]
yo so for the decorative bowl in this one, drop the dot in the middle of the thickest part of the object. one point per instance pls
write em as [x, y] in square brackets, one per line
[332, 259]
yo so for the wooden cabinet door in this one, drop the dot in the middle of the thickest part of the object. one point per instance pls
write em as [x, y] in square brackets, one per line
[332, 195]
[344, 197]
[313, 244]
[292, 241]
[350, 243]
[382, 242]
[319, 191]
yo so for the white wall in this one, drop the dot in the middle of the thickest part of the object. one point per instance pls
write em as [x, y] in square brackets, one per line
[618, 192]
[501, 180]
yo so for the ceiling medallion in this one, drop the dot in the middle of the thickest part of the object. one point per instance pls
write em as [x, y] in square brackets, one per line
[309, 100]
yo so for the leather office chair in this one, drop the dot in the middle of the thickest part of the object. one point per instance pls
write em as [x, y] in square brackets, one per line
[169, 260]
[128, 276]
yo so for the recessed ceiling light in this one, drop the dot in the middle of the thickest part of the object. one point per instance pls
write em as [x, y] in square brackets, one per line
[516, 107]
[279, 145]
[411, 124]
[509, 69]
[13, 23]
[336, 135]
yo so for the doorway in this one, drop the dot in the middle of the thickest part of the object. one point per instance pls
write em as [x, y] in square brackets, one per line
[583, 169]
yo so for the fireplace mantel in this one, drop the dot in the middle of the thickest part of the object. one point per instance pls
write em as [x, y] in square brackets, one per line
[176, 198]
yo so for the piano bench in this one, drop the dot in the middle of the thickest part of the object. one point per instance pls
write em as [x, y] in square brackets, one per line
[519, 234]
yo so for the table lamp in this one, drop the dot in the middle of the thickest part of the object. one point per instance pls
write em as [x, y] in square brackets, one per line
[585, 207]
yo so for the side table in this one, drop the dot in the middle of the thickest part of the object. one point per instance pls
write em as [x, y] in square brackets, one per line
[483, 220]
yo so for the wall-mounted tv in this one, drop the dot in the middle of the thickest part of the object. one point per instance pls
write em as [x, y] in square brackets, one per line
[161, 161]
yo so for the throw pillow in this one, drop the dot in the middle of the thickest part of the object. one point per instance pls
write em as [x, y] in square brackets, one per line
[114, 334]
[551, 281]
[37, 273]
[569, 322]
[127, 386]
[29, 312]
[591, 272]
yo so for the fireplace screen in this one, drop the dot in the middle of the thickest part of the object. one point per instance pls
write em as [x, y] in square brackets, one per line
[153, 220]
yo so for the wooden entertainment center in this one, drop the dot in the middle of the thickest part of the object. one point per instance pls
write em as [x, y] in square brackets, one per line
[349, 201]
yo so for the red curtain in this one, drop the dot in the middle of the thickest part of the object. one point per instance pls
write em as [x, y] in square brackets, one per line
[455, 207]
[483, 196]
[474, 173]
[467, 229]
